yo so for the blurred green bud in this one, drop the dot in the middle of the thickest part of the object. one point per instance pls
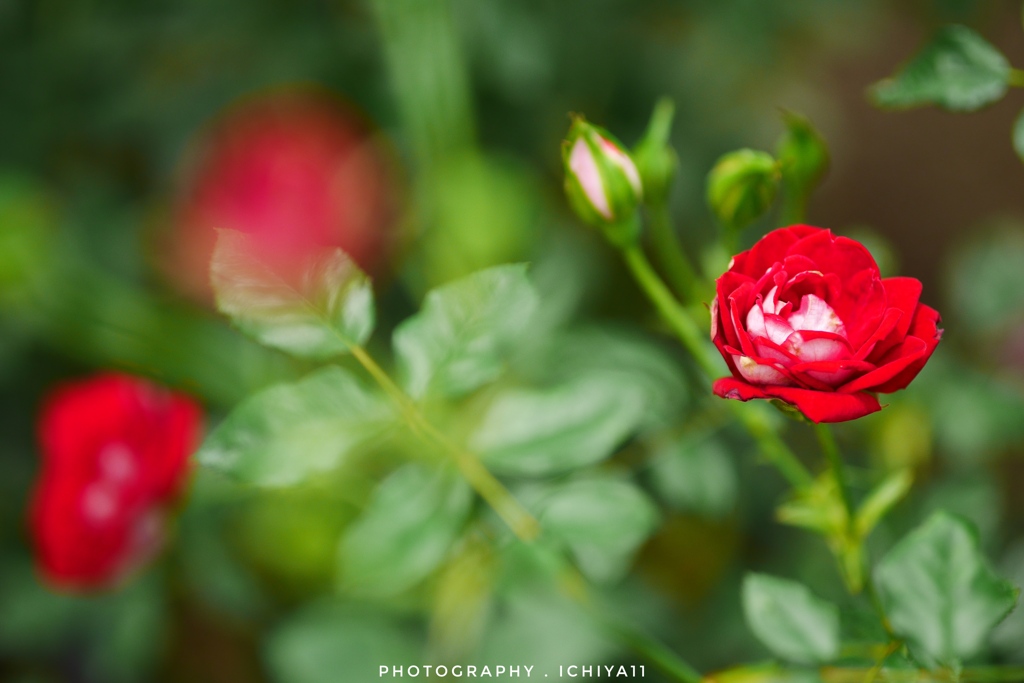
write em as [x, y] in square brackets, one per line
[804, 160]
[742, 187]
[655, 159]
[601, 181]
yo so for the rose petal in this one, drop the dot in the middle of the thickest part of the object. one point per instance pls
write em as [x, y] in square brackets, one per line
[816, 315]
[902, 294]
[911, 350]
[778, 329]
[826, 406]
[889, 322]
[831, 373]
[818, 406]
[769, 249]
[925, 328]
[759, 372]
[809, 346]
[840, 255]
[730, 387]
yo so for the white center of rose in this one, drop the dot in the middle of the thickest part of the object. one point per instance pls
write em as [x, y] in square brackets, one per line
[786, 328]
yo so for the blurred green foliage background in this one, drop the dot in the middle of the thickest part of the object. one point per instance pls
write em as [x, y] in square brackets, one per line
[99, 103]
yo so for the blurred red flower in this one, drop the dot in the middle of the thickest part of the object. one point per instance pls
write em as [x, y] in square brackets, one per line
[297, 171]
[806, 318]
[115, 457]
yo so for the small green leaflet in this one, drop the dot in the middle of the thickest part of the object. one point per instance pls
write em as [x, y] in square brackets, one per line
[327, 311]
[405, 532]
[327, 642]
[695, 475]
[602, 521]
[534, 432]
[465, 330]
[791, 621]
[957, 70]
[881, 500]
[283, 434]
[940, 593]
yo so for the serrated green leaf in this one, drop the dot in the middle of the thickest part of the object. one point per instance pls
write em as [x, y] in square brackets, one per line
[957, 70]
[283, 434]
[790, 620]
[320, 315]
[632, 359]
[532, 432]
[881, 499]
[940, 593]
[405, 532]
[695, 476]
[602, 521]
[327, 642]
[460, 339]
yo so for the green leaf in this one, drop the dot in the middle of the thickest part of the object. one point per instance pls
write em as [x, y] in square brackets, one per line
[986, 282]
[287, 432]
[602, 521]
[327, 642]
[696, 476]
[1018, 135]
[958, 70]
[790, 620]
[940, 593]
[622, 356]
[405, 532]
[532, 432]
[327, 310]
[818, 508]
[460, 339]
[882, 499]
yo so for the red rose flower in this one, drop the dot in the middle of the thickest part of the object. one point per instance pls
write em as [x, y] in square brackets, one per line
[805, 317]
[297, 171]
[115, 453]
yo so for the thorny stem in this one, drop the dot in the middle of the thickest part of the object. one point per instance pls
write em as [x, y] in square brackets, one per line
[684, 326]
[522, 523]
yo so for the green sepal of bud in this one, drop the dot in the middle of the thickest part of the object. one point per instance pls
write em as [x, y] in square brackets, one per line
[803, 160]
[655, 158]
[742, 186]
[601, 180]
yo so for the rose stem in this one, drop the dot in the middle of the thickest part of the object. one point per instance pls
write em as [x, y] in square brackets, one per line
[670, 254]
[519, 520]
[679, 319]
[835, 461]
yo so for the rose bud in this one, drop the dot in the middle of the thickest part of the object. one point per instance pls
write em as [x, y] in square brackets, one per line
[296, 171]
[115, 458]
[742, 186]
[806, 318]
[601, 180]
